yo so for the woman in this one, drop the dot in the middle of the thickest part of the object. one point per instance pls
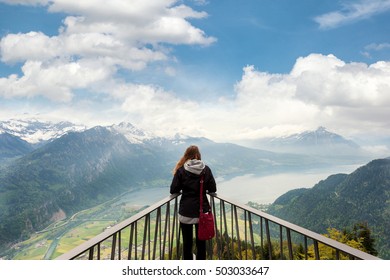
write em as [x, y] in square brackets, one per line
[187, 174]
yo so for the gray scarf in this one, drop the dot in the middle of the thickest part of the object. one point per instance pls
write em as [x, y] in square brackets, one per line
[194, 166]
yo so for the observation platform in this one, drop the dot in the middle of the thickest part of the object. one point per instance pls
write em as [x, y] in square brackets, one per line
[242, 233]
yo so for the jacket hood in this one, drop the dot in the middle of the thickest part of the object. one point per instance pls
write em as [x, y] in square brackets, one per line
[194, 166]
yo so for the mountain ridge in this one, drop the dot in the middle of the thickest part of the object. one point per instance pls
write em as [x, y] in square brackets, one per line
[36, 131]
[12, 146]
[313, 142]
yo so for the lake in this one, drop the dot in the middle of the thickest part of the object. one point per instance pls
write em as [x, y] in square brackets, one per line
[260, 189]
[266, 189]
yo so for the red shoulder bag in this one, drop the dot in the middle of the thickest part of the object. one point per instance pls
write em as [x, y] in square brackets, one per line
[206, 229]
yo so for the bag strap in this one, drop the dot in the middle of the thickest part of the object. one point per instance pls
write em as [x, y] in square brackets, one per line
[201, 193]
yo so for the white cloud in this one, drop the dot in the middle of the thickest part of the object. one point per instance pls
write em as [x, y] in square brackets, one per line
[26, 2]
[320, 90]
[352, 11]
[200, 2]
[378, 150]
[332, 82]
[349, 98]
[114, 35]
[29, 46]
[377, 47]
[135, 22]
[54, 81]
[157, 110]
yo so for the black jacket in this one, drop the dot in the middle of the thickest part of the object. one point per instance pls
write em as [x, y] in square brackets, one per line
[189, 184]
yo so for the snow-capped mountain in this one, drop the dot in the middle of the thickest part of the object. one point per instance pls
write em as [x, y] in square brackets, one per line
[138, 136]
[133, 134]
[319, 141]
[318, 137]
[36, 131]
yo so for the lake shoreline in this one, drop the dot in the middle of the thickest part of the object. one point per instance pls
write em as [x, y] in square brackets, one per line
[266, 189]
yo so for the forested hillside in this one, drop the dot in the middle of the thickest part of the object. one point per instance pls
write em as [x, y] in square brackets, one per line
[71, 173]
[343, 200]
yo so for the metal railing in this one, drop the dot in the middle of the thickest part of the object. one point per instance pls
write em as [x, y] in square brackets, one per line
[132, 238]
[241, 233]
[247, 233]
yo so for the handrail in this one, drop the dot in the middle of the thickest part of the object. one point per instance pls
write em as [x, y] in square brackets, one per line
[236, 238]
[338, 246]
[74, 253]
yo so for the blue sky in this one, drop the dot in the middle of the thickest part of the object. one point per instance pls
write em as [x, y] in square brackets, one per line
[228, 70]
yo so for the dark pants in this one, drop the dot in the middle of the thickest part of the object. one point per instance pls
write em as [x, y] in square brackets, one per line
[187, 233]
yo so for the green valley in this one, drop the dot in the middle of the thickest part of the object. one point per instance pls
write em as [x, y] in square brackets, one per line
[63, 235]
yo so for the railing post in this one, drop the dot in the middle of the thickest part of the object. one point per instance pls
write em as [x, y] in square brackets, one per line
[145, 234]
[281, 241]
[261, 238]
[268, 239]
[238, 232]
[98, 251]
[173, 230]
[226, 233]
[119, 245]
[113, 246]
[251, 235]
[232, 228]
[135, 241]
[178, 229]
[305, 240]
[337, 254]
[90, 257]
[289, 244]
[166, 228]
[218, 232]
[316, 250]
[130, 242]
[156, 232]
[245, 236]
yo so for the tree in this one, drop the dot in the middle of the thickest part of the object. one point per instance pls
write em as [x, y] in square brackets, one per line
[362, 232]
[359, 238]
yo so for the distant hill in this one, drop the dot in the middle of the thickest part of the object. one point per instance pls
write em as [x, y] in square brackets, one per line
[317, 142]
[12, 146]
[342, 200]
